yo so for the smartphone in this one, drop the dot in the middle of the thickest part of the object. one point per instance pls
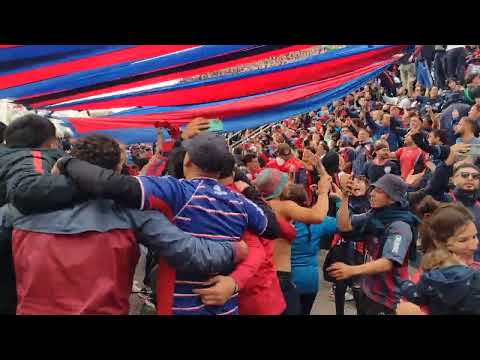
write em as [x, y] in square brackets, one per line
[216, 125]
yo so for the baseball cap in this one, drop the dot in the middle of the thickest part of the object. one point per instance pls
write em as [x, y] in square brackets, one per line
[270, 183]
[207, 150]
[393, 186]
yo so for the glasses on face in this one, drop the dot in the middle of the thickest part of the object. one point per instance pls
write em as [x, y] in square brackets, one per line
[466, 175]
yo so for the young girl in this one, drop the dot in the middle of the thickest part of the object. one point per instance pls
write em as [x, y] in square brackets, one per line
[448, 284]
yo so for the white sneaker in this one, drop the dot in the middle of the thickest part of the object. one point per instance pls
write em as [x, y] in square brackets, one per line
[349, 295]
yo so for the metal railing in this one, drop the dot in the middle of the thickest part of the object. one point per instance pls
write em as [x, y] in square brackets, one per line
[253, 135]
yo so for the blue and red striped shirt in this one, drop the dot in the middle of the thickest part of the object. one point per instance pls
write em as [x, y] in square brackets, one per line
[384, 288]
[203, 208]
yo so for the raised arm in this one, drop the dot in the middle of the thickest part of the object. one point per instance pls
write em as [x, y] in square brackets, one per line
[370, 123]
[343, 216]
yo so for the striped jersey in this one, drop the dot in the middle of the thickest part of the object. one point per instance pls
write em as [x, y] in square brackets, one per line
[384, 288]
[203, 208]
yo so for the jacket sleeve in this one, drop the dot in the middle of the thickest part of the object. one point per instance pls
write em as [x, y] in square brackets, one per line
[96, 181]
[438, 184]
[370, 123]
[411, 293]
[183, 251]
[272, 230]
[31, 188]
[420, 140]
[256, 255]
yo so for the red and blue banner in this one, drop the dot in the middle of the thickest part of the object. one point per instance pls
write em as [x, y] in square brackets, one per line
[106, 69]
[312, 69]
[61, 77]
[136, 125]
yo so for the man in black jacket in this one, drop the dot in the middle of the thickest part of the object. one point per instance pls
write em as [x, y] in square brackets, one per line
[25, 163]
[31, 151]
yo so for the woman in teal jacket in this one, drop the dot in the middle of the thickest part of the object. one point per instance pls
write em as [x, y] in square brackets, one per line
[304, 258]
[304, 251]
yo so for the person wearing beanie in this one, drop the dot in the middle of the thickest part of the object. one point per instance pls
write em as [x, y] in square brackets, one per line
[388, 230]
[273, 185]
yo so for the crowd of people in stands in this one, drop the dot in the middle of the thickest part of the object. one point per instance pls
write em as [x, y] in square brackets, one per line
[386, 180]
[262, 64]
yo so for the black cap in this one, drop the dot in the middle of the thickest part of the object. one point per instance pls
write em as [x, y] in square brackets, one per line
[208, 151]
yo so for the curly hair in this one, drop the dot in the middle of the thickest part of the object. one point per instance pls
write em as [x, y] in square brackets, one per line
[101, 150]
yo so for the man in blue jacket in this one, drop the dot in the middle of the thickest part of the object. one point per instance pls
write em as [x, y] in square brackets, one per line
[389, 128]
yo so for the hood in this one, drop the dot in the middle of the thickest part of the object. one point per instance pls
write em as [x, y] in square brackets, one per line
[15, 160]
[9, 154]
[449, 285]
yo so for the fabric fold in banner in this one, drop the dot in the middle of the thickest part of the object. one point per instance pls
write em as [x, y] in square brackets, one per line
[248, 112]
[171, 73]
[117, 71]
[113, 57]
[14, 59]
[312, 69]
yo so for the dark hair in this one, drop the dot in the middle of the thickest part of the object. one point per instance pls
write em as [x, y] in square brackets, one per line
[297, 194]
[228, 166]
[29, 131]
[101, 150]
[441, 134]
[426, 206]
[465, 166]
[249, 157]
[175, 162]
[237, 150]
[2, 131]
[325, 146]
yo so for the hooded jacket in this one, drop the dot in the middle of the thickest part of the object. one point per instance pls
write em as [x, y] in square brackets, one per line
[84, 261]
[453, 290]
[22, 183]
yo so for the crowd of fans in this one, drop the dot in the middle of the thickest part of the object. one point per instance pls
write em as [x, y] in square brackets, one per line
[263, 64]
[386, 180]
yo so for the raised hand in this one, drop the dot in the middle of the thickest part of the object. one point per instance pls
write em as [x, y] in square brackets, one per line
[194, 127]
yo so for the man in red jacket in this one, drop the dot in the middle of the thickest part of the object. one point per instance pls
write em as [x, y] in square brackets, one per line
[285, 161]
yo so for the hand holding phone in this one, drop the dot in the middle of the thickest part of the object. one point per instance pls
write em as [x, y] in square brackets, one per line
[215, 125]
[195, 127]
